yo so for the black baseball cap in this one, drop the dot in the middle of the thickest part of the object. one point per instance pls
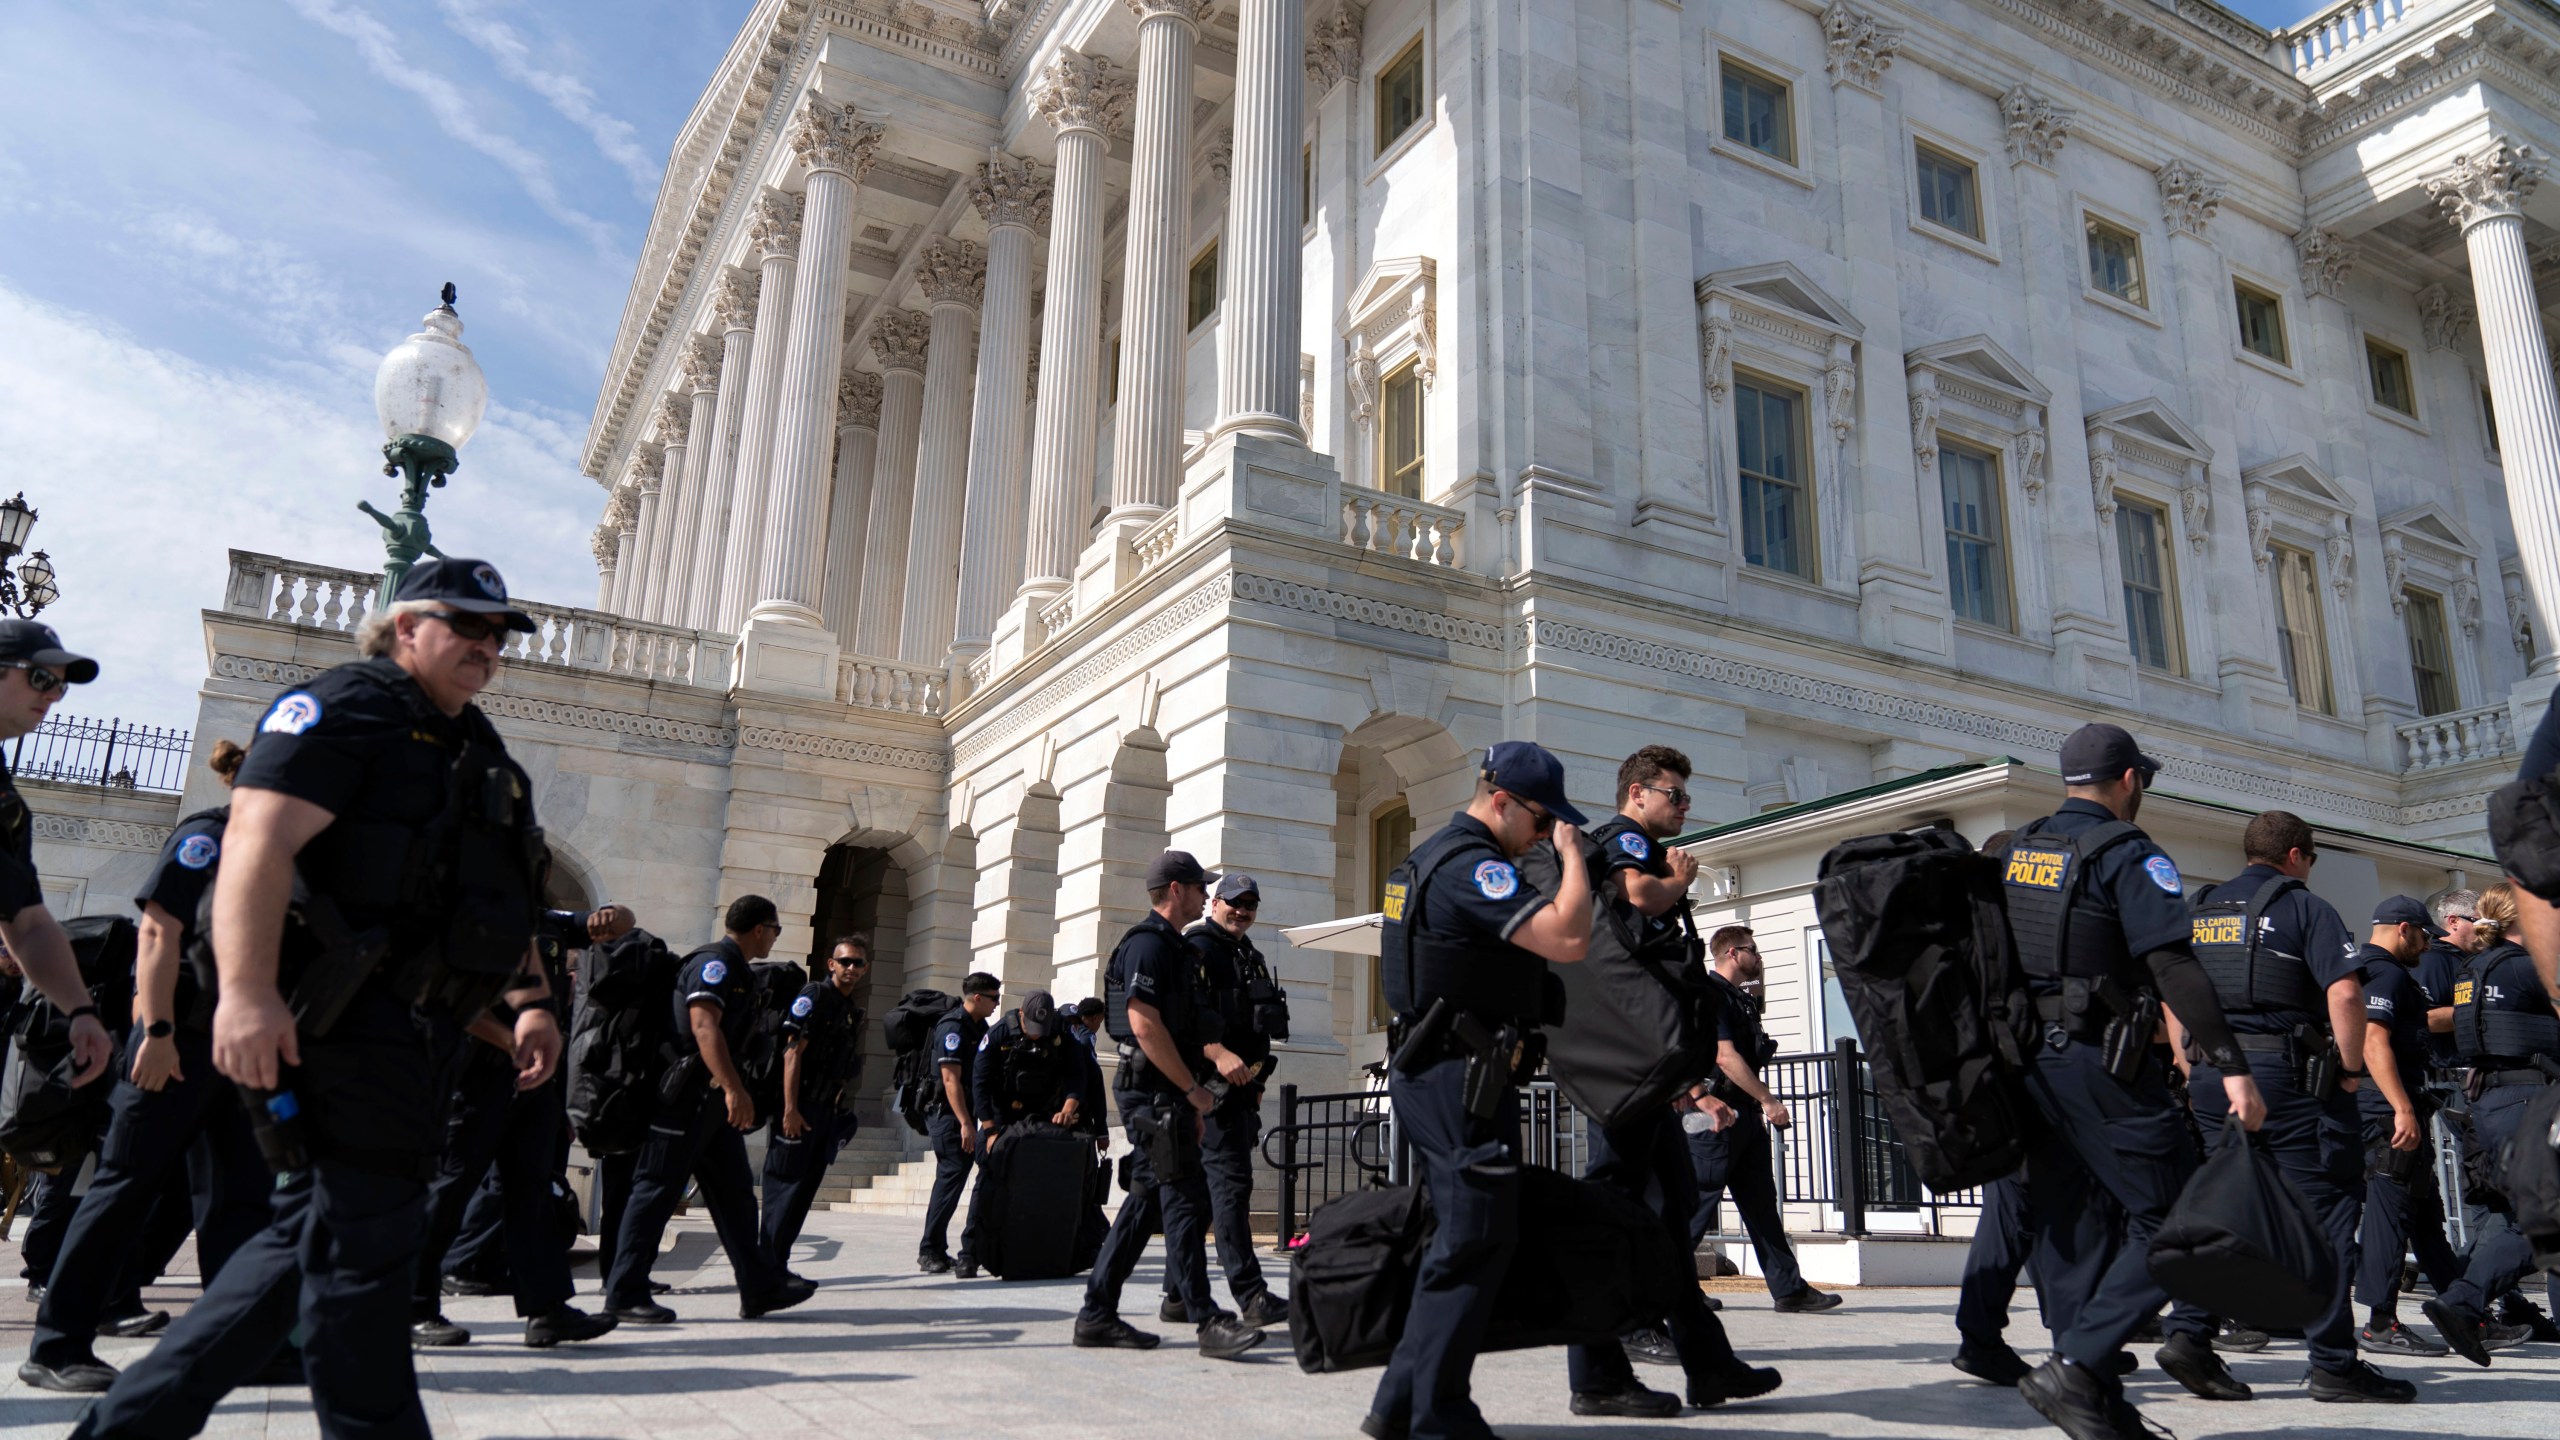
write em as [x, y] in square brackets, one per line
[1039, 1012]
[1234, 887]
[1176, 867]
[34, 642]
[472, 586]
[2401, 910]
[1527, 770]
[2097, 753]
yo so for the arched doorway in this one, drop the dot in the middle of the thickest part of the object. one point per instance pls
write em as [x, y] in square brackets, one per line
[863, 889]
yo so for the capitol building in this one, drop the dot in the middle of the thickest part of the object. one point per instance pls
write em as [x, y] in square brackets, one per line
[1046, 431]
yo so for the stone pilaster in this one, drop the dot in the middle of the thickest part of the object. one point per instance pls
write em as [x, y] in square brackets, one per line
[898, 337]
[953, 275]
[1013, 194]
[1258, 360]
[857, 451]
[773, 239]
[1146, 459]
[735, 304]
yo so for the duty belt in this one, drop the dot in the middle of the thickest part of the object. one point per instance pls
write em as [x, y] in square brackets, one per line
[2513, 1075]
[2054, 1011]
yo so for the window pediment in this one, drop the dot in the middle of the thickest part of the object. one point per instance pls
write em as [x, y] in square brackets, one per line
[2425, 543]
[2150, 438]
[1393, 316]
[2296, 489]
[1976, 387]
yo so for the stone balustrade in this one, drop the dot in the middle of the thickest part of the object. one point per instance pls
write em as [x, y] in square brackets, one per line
[1058, 614]
[1385, 524]
[1156, 541]
[314, 597]
[873, 683]
[2457, 738]
[2344, 28]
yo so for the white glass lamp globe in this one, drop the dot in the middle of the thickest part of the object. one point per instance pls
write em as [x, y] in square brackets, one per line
[429, 384]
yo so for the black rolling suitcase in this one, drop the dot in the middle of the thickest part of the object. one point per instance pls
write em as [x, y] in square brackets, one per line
[1029, 1230]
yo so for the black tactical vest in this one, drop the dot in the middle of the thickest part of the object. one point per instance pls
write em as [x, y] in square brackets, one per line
[2250, 976]
[2061, 929]
[2505, 1033]
[1030, 1075]
[1492, 979]
[1179, 1007]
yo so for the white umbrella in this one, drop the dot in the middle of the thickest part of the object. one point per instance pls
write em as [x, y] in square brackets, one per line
[1351, 935]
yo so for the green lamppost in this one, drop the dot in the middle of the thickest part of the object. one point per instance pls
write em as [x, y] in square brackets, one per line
[431, 395]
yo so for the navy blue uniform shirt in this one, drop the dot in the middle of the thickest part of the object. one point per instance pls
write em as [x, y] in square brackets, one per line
[2299, 923]
[2437, 971]
[955, 1042]
[2392, 1000]
[832, 1024]
[1622, 846]
[719, 975]
[19, 887]
[1480, 898]
[1158, 966]
[177, 883]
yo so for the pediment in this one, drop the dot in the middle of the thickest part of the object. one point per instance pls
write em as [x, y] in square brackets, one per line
[2300, 478]
[1389, 282]
[1782, 288]
[1981, 360]
[2432, 524]
[2149, 422]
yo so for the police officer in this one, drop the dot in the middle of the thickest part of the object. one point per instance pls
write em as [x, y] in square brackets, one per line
[823, 1063]
[34, 668]
[1465, 946]
[1028, 1071]
[2100, 920]
[951, 1122]
[169, 1101]
[370, 791]
[701, 1131]
[2401, 1208]
[1159, 1011]
[2508, 1031]
[2288, 977]
[1252, 1011]
[2457, 914]
[1739, 1156]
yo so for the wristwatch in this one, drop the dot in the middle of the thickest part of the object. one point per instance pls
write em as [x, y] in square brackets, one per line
[160, 1029]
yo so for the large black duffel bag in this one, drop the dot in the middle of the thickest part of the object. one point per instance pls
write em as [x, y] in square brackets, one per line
[1036, 1181]
[46, 1122]
[2243, 1244]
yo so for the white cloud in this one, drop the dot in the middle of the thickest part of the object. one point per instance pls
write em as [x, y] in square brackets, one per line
[566, 93]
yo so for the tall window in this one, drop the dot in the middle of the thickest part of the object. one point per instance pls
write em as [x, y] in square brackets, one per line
[2261, 322]
[2115, 261]
[2150, 590]
[1203, 292]
[1777, 513]
[1947, 195]
[1977, 558]
[1400, 96]
[2301, 640]
[2430, 655]
[1390, 840]
[1400, 432]
[2388, 365]
[1755, 112]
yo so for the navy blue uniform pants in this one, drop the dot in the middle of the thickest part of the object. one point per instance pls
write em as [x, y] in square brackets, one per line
[492, 1128]
[335, 1261]
[1226, 1153]
[479, 1250]
[950, 1175]
[1180, 1208]
[49, 1208]
[1471, 1169]
[2127, 1141]
[191, 1129]
[793, 1170]
[704, 1147]
[2501, 1256]
[2002, 1242]
[613, 1197]
[2318, 1144]
[1738, 1158]
[1645, 1160]
[2399, 1215]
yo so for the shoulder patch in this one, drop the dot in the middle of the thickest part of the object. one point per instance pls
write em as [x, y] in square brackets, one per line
[714, 971]
[984, 1041]
[1496, 880]
[197, 851]
[951, 1041]
[2163, 873]
[294, 712]
[1635, 845]
[802, 1006]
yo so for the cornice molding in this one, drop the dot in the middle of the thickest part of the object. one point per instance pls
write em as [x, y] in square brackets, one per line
[113, 834]
[1105, 664]
[833, 747]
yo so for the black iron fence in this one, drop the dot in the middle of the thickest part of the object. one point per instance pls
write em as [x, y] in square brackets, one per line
[1841, 1160]
[114, 754]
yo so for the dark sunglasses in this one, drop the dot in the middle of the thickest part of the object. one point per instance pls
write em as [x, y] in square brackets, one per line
[1679, 798]
[39, 679]
[1546, 821]
[469, 627]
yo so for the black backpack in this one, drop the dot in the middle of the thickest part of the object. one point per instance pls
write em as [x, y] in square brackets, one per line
[777, 984]
[616, 1042]
[47, 1122]
[1919, 936]
[1639, 1023]
[917, 1078]
[2242, 1243]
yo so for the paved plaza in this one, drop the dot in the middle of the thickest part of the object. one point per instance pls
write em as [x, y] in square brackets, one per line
[883, 1351]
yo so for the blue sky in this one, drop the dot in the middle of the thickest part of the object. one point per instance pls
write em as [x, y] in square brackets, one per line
[216, 215]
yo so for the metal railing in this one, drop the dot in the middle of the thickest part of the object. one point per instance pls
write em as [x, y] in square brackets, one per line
[111, 754]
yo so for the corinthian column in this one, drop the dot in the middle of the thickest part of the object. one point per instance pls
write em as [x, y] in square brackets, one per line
[1087, 100]
[736, 306]
[642, 587]
[1146, 457]
[898, 338]
[1258, 360]
[857, 448]
[2484, 195]
[952, 273]
[773, 237]
[1014, 196]
[671, 566]
[641, 525]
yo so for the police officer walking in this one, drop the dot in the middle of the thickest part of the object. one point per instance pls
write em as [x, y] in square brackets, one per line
[2100, 920]
[1739, 1156]
[823, 1063]
[370, 791]
[2402, 1210]
[2288, 977]
[2457, 914]
[1158, 1008]
[1463, 954]
[1252, 1011]
[951, 1121]
[34, 668]
[701, 1131]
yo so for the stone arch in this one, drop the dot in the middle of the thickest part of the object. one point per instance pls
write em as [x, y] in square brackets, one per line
[571, 883]
[1399, 778]
[1013, 928]
[1111, 825]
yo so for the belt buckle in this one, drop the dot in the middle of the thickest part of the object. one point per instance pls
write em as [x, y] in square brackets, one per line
[2054, 1035]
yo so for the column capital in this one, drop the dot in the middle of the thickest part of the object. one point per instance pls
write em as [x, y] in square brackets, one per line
[1012, 190]
[829, 136]
[858, 399]
[1333, 46]
[648, 466]
[701, 372]
[735, 302]
[2490, 184]
[1218, 155]
[674, 417]
[952, 271]
[2188, 198]
[1193, 13]
[773, 226]
[1857, 48]
[1084, 92]
[2037, 126]
[898, 337]
[2326, 259]
[605, 541]
[2444, 317]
